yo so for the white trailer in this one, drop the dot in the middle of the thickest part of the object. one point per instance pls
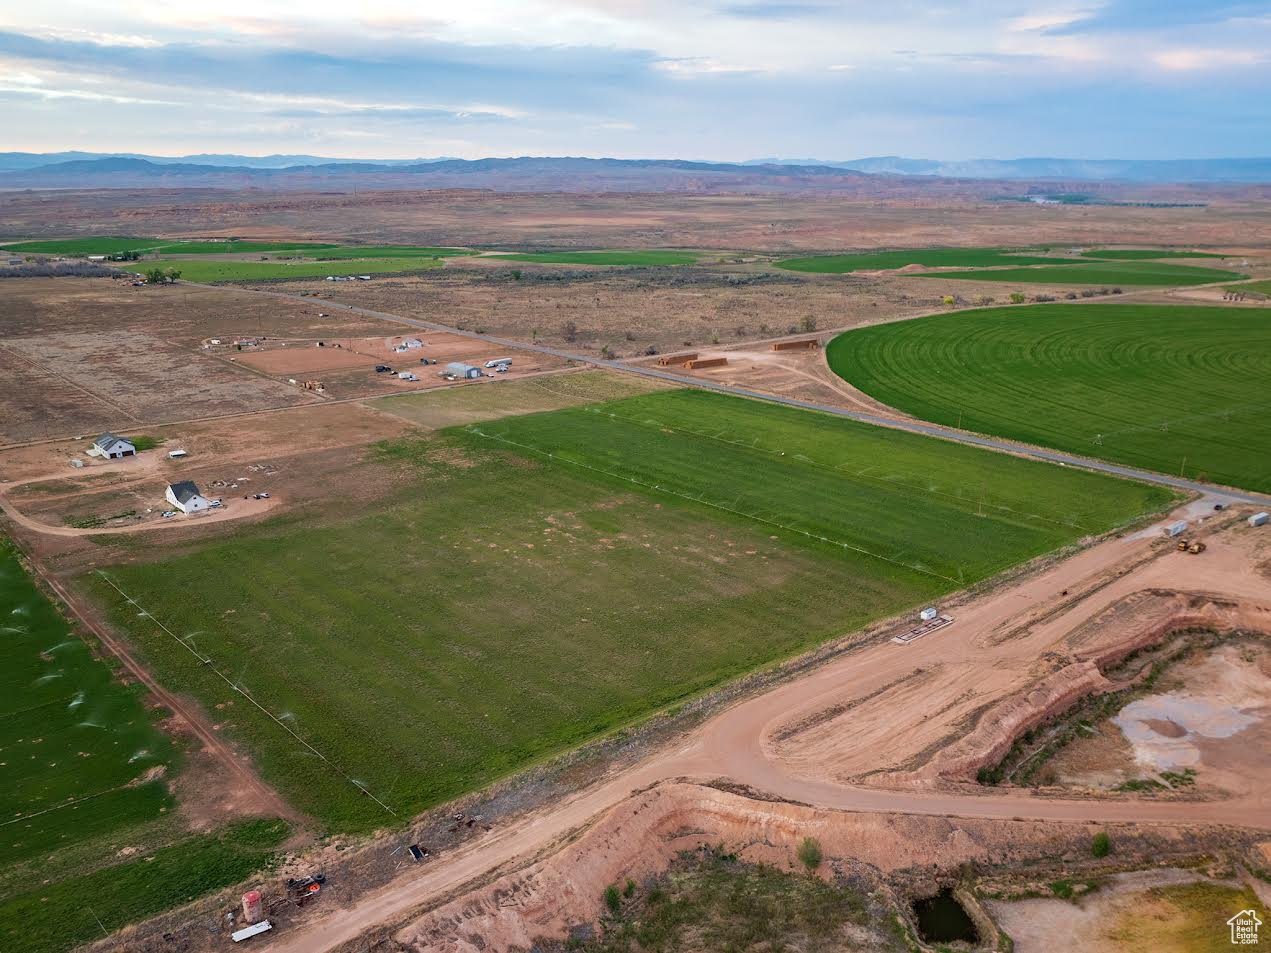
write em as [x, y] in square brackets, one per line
[256, 929]
[498, 362]
[1258, 519]
[1177, 528]
[927, 614]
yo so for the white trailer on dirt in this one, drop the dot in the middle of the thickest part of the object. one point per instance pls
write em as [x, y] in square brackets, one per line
[1177, 528]
[256, 929]
[1258, 519]
[498, 362]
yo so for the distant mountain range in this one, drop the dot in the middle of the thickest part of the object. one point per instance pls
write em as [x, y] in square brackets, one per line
[880, 175]
[1070, 170]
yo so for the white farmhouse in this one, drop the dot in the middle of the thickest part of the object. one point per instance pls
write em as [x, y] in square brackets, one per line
[185, 497]
[112, 448]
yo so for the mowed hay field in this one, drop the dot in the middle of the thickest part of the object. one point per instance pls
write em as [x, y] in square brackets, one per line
[546, 578]
[929, 257]
[1178, 389]
[194, 269]
[1098, 273]
[631, 257]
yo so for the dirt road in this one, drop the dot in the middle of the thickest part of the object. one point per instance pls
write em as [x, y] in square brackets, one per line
[992, 647]
[913, 426]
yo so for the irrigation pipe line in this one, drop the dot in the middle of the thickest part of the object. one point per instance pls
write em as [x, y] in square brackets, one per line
[281, 724]
[58, 807]
[831, 469]
[719, 506]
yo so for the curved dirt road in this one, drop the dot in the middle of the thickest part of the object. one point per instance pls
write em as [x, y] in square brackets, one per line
[741, 743]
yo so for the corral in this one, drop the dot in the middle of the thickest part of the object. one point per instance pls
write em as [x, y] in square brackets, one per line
[1180, 389]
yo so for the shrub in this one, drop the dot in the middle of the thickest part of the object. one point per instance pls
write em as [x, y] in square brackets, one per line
[613, 900]
[809, 853]
[1017, 297]
[1101, 846]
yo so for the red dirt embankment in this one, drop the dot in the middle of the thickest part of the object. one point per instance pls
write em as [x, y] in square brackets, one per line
[640, 836]
[999, 727]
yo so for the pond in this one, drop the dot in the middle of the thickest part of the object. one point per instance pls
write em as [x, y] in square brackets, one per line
[942, 919]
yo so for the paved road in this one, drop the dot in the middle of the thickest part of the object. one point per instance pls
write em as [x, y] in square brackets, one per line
[930, 430]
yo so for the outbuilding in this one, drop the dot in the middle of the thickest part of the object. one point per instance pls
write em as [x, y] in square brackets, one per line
[461, 370]
[185, 496]
[112, 447]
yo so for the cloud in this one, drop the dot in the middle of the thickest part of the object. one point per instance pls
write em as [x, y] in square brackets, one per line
[1155, 15]
[774, 11]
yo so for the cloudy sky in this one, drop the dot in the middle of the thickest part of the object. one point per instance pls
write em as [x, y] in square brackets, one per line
[715, 79]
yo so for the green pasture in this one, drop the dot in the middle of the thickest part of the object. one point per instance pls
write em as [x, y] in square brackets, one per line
[74, 742]
[389, 251]
[1178, 389]
[930, 257]
[543, 579]
[64, 914]
[193, 269]
[84, 782]
[1110, 273]
[649, 257]
[1141, 254]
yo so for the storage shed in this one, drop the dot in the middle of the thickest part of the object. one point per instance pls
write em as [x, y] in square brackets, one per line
[461, 370]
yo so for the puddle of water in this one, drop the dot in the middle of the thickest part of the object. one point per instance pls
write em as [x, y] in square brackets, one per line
[941, 919]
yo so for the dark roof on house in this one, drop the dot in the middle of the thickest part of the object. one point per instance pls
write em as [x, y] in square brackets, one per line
[106, 439]
[184, 490]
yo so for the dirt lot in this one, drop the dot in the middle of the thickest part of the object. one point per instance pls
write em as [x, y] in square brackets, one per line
[346, 366]
[81, 355]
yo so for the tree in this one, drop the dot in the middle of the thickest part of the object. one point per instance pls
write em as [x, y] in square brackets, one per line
[1017, 297]
[809, 323]
[1101, 846]
[162, 276]
[948, 300]
[613, 900]
[809, 853]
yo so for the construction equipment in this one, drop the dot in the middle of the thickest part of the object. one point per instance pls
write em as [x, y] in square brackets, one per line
[1196, 548]
[1183, 544]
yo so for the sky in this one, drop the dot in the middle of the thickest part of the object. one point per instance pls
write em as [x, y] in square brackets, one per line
[713, 79]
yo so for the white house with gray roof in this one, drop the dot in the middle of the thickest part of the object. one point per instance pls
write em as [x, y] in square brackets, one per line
[185, 496]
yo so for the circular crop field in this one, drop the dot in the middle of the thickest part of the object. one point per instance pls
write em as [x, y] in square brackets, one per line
[1174, 389]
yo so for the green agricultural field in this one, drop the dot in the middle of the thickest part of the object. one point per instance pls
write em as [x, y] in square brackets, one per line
[61, 915]
[84, 246]
[390, 251]
[1256, 287]
[543, 579]
[68, 732]
[1108, 273]
[1170, 388]
[239, 248]
[449, 406]
[930, 257]
[618, 257]
[193, 269]
[1140, 254]
[83, 778]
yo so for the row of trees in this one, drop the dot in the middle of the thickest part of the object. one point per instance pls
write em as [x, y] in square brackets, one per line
[162, 276]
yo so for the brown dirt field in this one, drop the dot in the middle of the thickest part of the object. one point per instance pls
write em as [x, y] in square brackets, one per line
[82, 355]
[894, 213]
[631, 311]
